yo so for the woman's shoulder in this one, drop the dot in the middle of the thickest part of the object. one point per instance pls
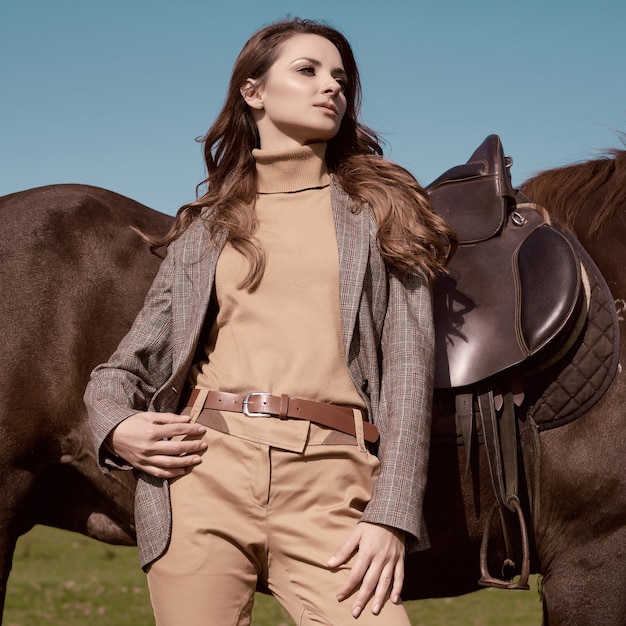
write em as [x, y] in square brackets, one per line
[196, 239]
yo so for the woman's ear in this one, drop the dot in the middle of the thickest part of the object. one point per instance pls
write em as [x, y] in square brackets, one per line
[252, 94]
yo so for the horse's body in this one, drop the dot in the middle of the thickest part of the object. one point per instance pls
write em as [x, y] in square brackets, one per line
[74, 276]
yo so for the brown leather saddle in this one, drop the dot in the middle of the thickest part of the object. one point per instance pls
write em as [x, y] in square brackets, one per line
[514, 284]
[512, 296]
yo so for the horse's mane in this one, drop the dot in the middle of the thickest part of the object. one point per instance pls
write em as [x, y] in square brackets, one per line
[598, 184]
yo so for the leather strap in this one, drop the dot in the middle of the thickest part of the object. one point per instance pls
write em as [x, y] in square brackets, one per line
[261, 404]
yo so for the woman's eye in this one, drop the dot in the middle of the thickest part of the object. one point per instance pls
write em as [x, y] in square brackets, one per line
[307, 70]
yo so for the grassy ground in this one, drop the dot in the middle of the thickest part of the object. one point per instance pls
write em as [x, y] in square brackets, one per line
[61, 578]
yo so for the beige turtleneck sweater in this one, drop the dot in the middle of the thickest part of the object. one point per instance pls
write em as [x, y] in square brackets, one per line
[286, 337]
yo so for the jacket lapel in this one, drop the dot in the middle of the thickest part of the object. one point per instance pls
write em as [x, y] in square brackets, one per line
[352, 230]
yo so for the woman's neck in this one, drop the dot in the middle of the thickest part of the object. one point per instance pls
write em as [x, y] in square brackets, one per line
[287, 171]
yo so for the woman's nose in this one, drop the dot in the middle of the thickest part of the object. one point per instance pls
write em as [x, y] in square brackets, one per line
[332, 86]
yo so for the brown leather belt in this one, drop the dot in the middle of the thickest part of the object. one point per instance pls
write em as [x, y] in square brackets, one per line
[263, 404]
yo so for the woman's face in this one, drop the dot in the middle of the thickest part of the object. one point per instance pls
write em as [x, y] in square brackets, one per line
[302, 99]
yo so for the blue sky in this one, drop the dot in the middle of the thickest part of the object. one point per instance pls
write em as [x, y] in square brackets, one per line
[114, 93]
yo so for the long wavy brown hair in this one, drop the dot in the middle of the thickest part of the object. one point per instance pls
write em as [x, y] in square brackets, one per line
[410, 234]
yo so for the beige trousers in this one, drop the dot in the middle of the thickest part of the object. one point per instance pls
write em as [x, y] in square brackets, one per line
[251, 512]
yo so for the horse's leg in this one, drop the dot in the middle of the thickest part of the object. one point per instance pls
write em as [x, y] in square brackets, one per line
[584, 585]
[7, 548]
[16, 494]
[581, 532]
[73, 494]
[452, 507]
[53, 479]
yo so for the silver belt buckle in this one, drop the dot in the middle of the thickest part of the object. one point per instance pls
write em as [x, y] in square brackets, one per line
[246, 401]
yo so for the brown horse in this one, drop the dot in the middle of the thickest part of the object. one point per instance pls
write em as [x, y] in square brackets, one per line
[74, 276]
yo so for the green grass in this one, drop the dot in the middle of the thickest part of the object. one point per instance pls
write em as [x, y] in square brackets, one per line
[61, 578]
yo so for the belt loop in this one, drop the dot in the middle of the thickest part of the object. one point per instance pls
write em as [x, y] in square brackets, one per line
[358, 429]
[284, 406]
[198, 405]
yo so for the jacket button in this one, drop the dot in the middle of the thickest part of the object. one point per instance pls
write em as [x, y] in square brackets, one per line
[365, 385]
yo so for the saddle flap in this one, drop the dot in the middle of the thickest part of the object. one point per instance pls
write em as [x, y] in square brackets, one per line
[503, 300]
[550, 286]
[473, 197]
[475, 308]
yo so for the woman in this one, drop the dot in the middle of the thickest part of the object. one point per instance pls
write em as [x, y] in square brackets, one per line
[294, 300]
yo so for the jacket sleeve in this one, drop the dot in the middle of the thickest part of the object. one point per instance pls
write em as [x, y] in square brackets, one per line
[141, 364]
[405, 408]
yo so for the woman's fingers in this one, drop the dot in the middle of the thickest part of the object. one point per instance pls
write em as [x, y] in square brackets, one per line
[378, 569]
[153, 443]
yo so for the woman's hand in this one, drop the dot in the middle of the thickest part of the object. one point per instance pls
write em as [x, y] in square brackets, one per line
[145, 441]
[378, 567]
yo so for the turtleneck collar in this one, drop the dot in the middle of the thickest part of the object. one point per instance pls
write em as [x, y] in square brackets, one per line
[286, 171]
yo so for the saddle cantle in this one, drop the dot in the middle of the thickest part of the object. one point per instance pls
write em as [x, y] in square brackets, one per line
[514, 283]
